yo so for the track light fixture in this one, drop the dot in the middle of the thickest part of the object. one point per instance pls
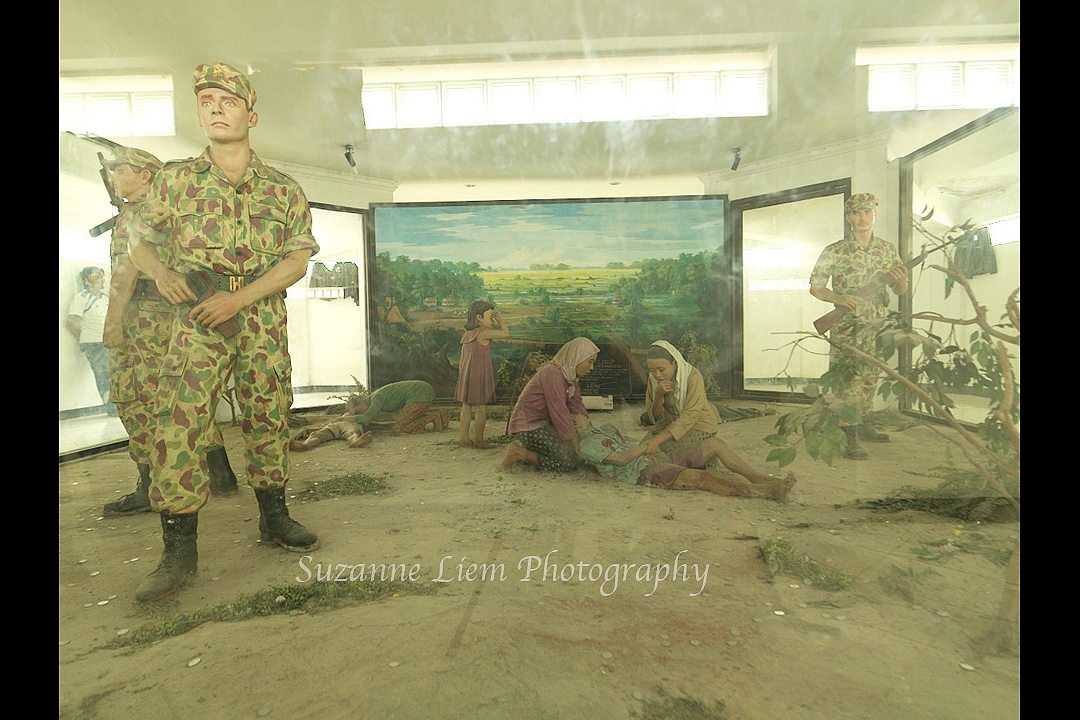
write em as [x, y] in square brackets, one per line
[737, 152]
[349, 158]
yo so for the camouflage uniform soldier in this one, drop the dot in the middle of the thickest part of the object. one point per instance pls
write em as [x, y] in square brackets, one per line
[852, 263]
[138, 327]
[244, 229]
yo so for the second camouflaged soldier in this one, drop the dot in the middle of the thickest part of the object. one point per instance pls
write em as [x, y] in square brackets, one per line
[243, 230]
[138, 327]
[851, 264]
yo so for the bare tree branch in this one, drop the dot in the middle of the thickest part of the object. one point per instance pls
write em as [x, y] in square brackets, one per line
[980, 310]
[1004, 411]
[942, 413]
[1012, 307]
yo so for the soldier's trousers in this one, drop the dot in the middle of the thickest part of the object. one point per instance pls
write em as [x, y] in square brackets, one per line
[194, 374]
[859, 377]
[134, 369]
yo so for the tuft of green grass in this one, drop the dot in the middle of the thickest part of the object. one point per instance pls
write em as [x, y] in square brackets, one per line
[356, 483]
[963, 494]
[783, 557]
[309, 597]
[670, 707]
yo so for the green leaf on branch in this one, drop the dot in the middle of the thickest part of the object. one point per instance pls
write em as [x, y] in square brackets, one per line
[846, 410]
[826, 454]
[783, 456]
[836, 436]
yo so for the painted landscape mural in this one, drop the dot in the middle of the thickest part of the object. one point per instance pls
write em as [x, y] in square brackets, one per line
[621, 272]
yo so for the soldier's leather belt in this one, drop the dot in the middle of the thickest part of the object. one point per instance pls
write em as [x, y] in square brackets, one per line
[230, 283]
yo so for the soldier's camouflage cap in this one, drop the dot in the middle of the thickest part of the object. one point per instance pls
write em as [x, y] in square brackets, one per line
[225, 77]
[136, 158]
[861, 201]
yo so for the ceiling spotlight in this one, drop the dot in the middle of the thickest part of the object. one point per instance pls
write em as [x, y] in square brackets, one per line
[737, 152]
[349, 158]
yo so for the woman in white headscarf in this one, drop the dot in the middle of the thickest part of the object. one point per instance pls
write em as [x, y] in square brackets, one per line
[542, 420]
[676, 406]
[684, 424]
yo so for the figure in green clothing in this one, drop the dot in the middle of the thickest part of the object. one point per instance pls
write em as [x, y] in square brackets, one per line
[410, 399]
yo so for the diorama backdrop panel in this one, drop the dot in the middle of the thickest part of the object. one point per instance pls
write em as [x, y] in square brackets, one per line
[327, 310]
[781, 244]
[623, 272]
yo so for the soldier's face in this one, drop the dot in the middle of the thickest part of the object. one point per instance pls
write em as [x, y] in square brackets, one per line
[125, 181]
[862, 219]
[224, 117]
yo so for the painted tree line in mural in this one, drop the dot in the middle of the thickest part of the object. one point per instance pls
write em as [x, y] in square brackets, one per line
[421, 306]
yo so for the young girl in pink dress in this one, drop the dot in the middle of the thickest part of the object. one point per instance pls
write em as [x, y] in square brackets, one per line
[476, 378]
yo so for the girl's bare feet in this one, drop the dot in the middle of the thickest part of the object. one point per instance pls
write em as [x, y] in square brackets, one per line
[480, 444]
[465, 443]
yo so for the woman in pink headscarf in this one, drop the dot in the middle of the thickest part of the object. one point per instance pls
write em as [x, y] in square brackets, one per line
[542, 420]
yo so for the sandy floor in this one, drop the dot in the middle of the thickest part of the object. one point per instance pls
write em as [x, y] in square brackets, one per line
[518, 645]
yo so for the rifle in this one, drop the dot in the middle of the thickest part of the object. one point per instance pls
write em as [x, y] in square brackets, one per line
[116, 202]
[829, 318]
[826, 321]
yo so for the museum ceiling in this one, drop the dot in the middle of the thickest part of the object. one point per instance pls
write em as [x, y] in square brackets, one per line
[306, 59]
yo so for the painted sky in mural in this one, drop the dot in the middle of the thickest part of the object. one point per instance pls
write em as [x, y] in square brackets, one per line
[581, 234]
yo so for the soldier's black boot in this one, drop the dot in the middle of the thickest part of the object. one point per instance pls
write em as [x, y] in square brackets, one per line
[275, 525]
[133, 503]
[853, 451]
[222, 477]
[179, 560]
[872, 434]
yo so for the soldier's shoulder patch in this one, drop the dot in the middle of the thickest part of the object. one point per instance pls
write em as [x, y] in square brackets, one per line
[178, 161]
[275, 175]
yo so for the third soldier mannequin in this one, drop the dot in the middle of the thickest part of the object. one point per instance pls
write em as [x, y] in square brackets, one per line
[138, 327]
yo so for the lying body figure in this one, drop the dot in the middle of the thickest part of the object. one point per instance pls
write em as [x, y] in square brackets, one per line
[606, 451]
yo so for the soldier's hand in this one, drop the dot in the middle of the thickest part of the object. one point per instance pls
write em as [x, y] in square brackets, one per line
[216, 309]
[174, 288]
[898, 279]
[849, 301]
[112, 336]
